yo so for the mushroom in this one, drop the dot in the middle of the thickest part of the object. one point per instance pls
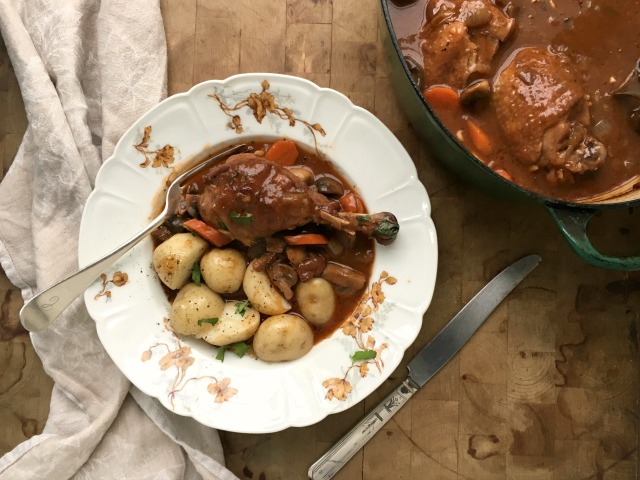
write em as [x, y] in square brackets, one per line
[283, 277]
[303, 173]
[329, 185]
[477, 91]
[346, 279]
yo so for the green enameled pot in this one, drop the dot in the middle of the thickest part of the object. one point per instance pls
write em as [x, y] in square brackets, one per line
[571, 218]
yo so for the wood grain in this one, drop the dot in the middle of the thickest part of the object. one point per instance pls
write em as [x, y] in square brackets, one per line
[548, 387]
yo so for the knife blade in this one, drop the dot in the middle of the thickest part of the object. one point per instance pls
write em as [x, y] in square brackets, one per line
[435, 355]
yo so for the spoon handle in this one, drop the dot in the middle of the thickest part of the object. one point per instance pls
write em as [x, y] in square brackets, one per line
[42, 309]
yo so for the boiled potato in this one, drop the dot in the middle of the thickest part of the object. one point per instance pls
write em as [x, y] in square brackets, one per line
[317, 300]
[193, 303]
[174, 258]
[282, 337]
[223, 269]
[262, 294]
[232, 326]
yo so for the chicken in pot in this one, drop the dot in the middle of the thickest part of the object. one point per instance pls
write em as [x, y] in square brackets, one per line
[531, 88]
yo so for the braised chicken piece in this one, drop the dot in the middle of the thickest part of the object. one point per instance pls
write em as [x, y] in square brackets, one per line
[252, 198]
[460, 38]
[541, 107]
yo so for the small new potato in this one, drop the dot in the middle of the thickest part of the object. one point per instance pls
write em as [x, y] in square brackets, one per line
[174, 258]
[262, 294]
[317, 300]
[223, 269]
[282, 337]
[232, 326]
[193, 303]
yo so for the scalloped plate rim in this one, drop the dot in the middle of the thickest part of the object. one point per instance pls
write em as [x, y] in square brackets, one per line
[426, 222]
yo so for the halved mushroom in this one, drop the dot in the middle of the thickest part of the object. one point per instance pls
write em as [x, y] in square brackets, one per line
[346, 279]
[284, 277]
[475, 92]
[303, 173]
[329, 185]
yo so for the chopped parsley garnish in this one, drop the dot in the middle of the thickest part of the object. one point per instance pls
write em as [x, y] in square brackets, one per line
[239, 348]
[241, 307]
[363, 355]
[387, 229]
[220, 354]
[212, 321]
[363, 218]
[241, 218]
[196, 274]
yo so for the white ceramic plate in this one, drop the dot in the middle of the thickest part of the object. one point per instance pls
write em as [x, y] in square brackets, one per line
[245, 394]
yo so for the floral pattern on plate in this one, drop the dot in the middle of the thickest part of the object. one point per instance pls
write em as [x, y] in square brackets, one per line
[160, 157]
[261, 397]
[359, 326]
[118, 279]
[182, 359]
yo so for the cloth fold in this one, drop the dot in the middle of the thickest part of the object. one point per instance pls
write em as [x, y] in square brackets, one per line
[87, 70]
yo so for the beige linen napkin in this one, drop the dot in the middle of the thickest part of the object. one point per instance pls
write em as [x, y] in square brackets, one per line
[87, 69]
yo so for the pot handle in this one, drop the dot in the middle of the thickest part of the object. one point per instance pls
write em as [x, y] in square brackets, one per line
[573, 225]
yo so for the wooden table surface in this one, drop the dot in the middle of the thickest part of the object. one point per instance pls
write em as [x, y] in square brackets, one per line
[547, 389]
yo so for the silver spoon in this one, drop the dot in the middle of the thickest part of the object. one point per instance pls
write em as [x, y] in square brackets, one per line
[41, 310]
[631, 86]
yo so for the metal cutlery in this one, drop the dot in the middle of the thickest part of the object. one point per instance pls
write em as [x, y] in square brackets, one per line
[43, 308]
[425, 365]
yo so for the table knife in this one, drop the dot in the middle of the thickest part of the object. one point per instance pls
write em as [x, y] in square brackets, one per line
[426, 364]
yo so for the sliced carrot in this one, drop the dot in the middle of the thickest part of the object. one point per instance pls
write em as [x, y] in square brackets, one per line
[480, 139]
[351, 203]
[283, 152]
[306, 239]
[504, 174]
[210, 234]
[442, 98]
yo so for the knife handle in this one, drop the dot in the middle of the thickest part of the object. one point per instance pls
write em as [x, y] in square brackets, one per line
[332, 461]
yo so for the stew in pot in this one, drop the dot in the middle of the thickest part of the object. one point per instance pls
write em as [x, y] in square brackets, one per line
[528, 87]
